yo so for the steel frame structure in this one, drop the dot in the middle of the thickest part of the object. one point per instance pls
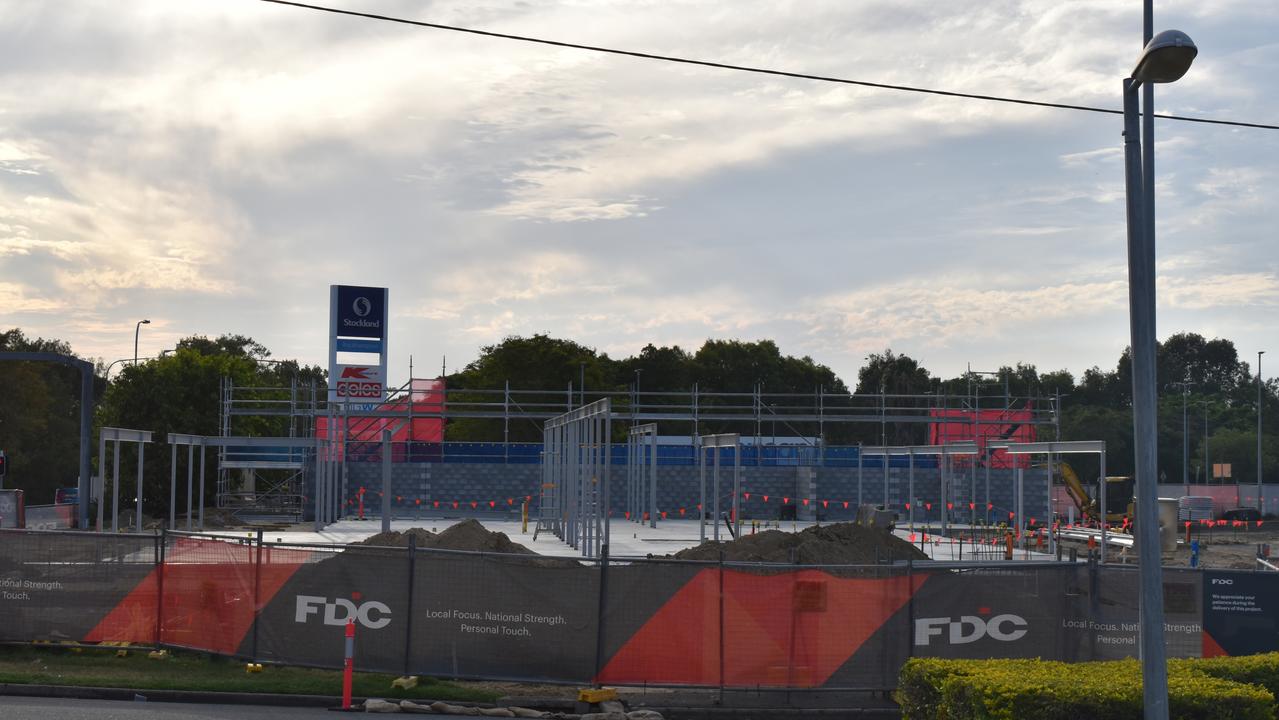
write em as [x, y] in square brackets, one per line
[304, 406]
[1077, 447]
[716, 444]
[641, 474]
[116, 436]
[578, 447]
[942, 451]
[191, 442]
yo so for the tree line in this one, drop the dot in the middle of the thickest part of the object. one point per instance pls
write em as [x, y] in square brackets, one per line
[179, 392]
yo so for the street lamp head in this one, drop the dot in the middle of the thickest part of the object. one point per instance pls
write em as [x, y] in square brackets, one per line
[145, 322]
[1165, 58]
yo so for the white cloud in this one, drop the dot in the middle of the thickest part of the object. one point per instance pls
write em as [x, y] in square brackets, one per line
[14, 298]
[160, 155]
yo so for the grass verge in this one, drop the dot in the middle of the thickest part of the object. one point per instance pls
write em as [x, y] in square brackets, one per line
[197, 671]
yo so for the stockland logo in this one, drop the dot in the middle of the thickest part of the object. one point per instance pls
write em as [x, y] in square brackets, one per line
[970, 628]
[362, 306]
[372, 614]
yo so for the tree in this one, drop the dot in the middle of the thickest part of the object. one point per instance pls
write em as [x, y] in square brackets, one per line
[540, 370]
[887, 374]
[179, 393]
[39, 418]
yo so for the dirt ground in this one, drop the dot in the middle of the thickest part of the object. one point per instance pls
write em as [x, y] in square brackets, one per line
[838, 544]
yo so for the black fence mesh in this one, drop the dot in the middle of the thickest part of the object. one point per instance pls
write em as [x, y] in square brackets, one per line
[58, 586]
[641, 622]
[504, 617]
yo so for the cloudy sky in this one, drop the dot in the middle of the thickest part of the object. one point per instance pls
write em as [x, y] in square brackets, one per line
[214, 165]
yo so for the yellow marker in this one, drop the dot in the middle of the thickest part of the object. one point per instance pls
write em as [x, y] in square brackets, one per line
[596, 695]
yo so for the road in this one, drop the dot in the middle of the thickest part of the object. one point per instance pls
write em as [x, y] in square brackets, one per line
[31, 708]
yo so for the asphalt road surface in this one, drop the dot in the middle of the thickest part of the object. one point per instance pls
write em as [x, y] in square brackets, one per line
[25, 708]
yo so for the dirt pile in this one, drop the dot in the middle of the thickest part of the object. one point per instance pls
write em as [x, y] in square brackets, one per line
[466, 535]
[395, 538]
[471, 535]
[839, 544]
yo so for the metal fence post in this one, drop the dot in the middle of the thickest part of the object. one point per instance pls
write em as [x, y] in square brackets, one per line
[161, 541]
[408, 629]
[599, 616]
[910, 608]
[257, 594]
[721, 626]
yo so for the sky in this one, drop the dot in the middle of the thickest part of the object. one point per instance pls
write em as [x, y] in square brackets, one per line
[215, 165]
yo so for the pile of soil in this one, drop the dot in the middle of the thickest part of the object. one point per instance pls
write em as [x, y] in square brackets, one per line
[839, 544]
[466, 535]
[395, 538]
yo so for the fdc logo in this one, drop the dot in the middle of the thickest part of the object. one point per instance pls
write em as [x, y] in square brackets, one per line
[970, 628]
[1222, 581]
[363, 613]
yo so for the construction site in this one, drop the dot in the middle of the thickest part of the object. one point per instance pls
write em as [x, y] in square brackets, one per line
[699, 539]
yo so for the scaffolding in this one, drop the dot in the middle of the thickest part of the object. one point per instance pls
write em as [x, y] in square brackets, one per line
[263, 482]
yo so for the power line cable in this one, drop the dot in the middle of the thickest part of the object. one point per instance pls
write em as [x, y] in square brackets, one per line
[758, 70]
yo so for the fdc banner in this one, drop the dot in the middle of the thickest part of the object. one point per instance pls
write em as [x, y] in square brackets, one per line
[64, 586]
[657, 622]
[1069, 612]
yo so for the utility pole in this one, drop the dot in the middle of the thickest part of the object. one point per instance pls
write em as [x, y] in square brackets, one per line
[1260, 507]
[1185, 433]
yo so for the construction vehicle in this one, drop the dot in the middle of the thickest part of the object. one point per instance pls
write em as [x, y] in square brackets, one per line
[1119, 496]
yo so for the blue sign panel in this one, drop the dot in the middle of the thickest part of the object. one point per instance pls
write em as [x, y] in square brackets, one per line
[361, 311]
[363, 346]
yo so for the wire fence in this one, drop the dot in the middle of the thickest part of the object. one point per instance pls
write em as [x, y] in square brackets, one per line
[623, 621]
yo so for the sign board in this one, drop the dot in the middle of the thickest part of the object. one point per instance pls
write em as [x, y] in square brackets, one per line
[359, 382]
[50, 517]
[1221, 470]
[11, 509]
[361, 312]
[358, 325]
[1240, 613]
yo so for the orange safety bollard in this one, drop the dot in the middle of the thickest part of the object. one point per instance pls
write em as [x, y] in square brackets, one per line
[348, 664]
[1008, 546]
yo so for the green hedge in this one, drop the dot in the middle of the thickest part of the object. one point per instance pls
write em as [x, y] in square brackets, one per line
[1260, 670]
[1216, 689]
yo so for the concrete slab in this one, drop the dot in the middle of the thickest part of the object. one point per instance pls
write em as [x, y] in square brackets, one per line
[629, 539]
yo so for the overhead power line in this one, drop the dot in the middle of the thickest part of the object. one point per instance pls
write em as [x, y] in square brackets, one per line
[758, 70]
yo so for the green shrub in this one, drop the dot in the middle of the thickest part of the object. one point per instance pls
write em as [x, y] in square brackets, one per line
[919, 685]
[1262, 670]
[1049, 690]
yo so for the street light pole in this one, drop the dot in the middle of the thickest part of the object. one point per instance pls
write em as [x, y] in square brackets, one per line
[1207, 449]
[1185, 434]
[1165, 59]
[1260, 507]
[136, 329]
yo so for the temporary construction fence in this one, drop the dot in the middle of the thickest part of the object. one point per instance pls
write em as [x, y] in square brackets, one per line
[618, 621]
